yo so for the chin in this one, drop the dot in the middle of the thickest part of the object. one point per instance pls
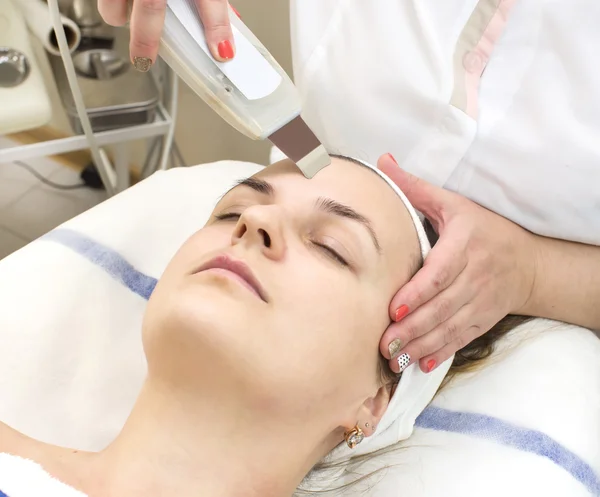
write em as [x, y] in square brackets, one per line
[203, 323]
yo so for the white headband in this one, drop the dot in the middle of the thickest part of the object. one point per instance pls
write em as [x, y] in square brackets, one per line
[415, 388]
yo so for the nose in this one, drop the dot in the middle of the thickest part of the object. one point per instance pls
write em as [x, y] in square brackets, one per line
[262, 226]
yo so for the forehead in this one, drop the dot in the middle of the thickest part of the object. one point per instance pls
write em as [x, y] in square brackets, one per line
[353, 185]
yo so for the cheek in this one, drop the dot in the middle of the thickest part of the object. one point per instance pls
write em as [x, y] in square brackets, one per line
[175, 300]
[335, 304]
[211, 237]
[327, 338]
[197, 248]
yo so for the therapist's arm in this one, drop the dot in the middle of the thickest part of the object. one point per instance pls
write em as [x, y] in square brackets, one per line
[567, 283]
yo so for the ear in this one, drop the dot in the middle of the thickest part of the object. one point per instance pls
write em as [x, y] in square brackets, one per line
[373, 410]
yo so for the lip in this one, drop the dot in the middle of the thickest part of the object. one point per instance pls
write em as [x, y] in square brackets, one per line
[238, 268]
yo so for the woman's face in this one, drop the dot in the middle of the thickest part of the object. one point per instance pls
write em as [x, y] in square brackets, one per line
[301, 335]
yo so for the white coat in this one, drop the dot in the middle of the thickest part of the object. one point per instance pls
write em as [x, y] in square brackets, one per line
[498, 100]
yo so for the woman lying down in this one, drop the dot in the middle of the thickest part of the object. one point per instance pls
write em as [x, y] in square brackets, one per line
[262, 341]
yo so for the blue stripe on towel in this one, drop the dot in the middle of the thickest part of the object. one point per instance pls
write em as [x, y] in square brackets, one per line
[107, 259]
[2, 494]
[496, 430]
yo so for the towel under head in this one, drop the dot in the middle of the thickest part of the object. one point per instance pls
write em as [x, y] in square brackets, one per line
[25, 478]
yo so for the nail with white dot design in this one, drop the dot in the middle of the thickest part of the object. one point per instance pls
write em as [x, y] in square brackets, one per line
[403, 361]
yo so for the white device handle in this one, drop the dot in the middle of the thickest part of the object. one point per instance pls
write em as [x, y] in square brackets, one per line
[251, 92]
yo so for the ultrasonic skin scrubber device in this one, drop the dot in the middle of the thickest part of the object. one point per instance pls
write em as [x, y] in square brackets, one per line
[251, 91]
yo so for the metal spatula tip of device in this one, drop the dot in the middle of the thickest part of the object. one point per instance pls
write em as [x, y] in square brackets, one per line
[299, 143]
[312, 163]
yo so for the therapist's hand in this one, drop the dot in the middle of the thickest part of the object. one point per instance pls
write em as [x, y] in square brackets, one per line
[146, 24]
[481, 269]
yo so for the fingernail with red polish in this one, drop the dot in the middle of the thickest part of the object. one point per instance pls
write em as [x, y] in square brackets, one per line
[401, 312]
[235, 10]
[430, 365]
[392, 157]
[225, 49]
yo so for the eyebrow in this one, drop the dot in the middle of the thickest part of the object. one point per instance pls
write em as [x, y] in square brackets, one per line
[333, 207]
[258, 185]
[323, 204]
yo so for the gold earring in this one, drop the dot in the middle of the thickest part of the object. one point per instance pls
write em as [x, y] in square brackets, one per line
[354, 437]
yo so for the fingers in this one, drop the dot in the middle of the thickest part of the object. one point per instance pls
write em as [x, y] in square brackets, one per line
[147, 19]
[432, 201]
[427, 318]
[217, 28]
[443, 266]
[433, 360]
[114, 12]
[449, 334]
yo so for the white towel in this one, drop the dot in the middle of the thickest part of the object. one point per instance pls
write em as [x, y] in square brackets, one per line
[24, 478]
[71, 361]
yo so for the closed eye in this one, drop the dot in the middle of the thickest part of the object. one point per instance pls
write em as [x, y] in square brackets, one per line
[332, 253]
[229, 216]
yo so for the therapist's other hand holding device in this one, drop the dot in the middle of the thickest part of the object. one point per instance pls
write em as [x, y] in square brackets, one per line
[146, 25]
